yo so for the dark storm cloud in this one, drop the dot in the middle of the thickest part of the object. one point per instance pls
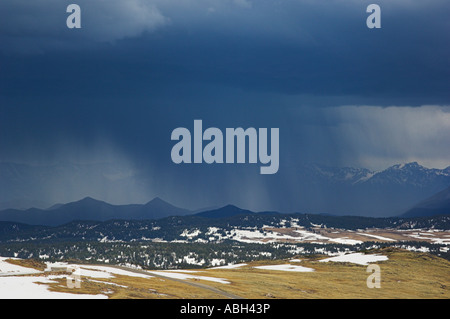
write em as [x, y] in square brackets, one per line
[137, 69]
[291, 47]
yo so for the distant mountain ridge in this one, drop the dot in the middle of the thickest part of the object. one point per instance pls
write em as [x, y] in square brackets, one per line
[23, 204]
[89, 210]
[409, 173]
[314, 188]
[412, 174]
[24, 186]
[224, 212]
[92, 209]
[438, 204]
[359, 191]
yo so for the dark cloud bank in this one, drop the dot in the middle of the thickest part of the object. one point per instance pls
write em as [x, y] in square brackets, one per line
[112, 92]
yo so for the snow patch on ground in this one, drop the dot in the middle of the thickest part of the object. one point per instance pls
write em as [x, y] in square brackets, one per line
[190, 235]
[10, 269]
[108, 271]
[286, 267]
[230, 266]
[93, 271]
[177, 275]
[345, 241]
[377, 237]
[434, 240]
[181, 270]
[24, 287]
[356, 258]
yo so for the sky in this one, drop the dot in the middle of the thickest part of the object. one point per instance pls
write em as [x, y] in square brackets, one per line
[340, 93]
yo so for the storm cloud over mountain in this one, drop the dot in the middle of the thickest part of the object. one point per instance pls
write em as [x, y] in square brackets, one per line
[112, 92]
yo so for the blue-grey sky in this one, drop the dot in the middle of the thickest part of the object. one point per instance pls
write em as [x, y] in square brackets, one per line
[341, 94]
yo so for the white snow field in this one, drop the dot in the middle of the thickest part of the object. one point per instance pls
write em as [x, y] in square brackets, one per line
[10, 269]
[27, 287]
[286, 267]
[15, 284]
[230, 266]
[94, 271]
[357, 258]
[110, 271]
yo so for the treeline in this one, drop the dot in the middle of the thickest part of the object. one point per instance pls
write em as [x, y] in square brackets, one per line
[170, 229]
[150, 255]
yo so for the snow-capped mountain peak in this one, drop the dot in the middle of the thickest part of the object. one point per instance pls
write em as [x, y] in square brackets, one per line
[410, 173]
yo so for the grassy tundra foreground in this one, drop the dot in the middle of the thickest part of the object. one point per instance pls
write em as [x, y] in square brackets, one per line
[404, 274]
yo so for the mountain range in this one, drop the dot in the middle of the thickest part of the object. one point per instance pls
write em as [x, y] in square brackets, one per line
[91, 209]
[412, 174]
[438, 204]
[359, 191]
[316, 189]
[24, 186]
